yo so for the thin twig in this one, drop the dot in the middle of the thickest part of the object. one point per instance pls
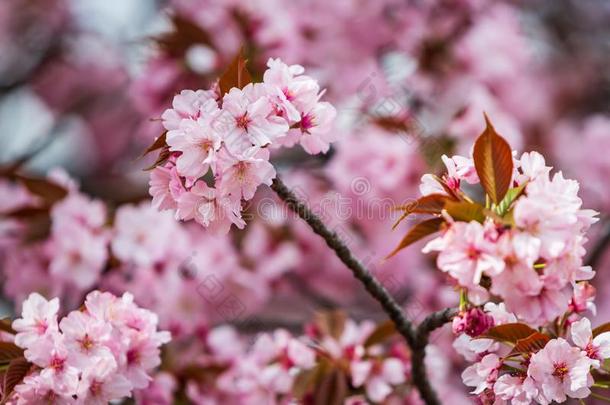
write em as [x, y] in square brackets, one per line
[417, 338]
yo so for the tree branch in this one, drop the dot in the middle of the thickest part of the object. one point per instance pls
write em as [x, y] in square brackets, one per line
[418, 366]
[417, 338]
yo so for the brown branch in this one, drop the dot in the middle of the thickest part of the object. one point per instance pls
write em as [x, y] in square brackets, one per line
[418, 366]
[417, 338]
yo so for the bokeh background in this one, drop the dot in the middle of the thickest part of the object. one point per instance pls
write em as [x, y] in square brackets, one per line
[84, 82]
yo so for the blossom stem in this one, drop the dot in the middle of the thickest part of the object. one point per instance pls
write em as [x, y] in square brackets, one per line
[416, 337]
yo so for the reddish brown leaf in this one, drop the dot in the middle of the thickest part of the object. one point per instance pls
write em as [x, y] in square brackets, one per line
[9, 351]
[331, 322]
[183, 35]
[428, 204]
[450, 192]
[305, 381]
[6, 326]
[601, 329]
[50, 192]
[26, 212]
[159, 143]
[236, 75]
[531, 344]
[493, 161]
[17, 370]
[510, 332]
[333, 389]
[418, 232]
[163, 157]
[465, 211]
[382, 332]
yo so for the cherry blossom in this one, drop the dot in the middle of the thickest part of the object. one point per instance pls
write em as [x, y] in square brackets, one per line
[559, 371]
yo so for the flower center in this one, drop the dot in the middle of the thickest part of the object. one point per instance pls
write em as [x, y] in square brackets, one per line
[307, 122]
[561, 370]
[243, 121]
[133, 356]
[592, 351]
[95, 388]
[473, 253]
[41, 327]
[206, 145]
[57, 363]
[87, 343]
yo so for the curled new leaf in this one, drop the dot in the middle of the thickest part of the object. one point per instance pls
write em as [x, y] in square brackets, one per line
[465, 211]
[236, 75]
[509, 332]
[418, 232]
[493, 161]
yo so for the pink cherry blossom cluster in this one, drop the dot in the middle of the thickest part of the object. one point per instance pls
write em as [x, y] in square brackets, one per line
[92, 356]
[562, 368]
[231, 137]
[280, 368]
[535, 264]
[64, 247]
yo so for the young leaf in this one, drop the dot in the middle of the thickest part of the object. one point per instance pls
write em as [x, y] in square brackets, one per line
[305, 381]
[183, 36]
[163, 157]
[6, 326]
[509, 332]
[493, 161]
[531, 344]
[331, 322]
[16, 371]
[9, 351]
[333, 389]
[159, 143]
[236, 75]
[428, 204]
[447, 189]
[50, 192]
[418, 232]
[465, 211]
[511, 195]
[382, 332]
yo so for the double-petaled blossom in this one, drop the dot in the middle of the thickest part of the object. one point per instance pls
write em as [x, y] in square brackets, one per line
[230, 138]
[94, 356]
[559, 371]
